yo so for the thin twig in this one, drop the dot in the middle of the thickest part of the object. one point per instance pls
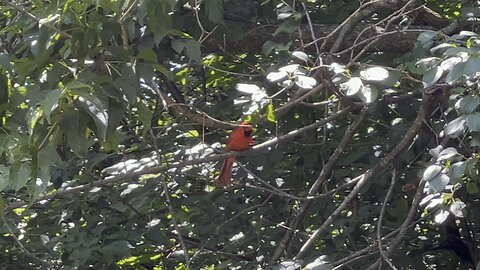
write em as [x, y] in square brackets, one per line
[404, 227]
[380, 220]
[169, 204]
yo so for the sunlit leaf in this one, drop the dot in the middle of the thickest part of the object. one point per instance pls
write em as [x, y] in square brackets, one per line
[432, 76]
[432, 171]
[456, 127]
[374, 74]
[352, 86]
[457, 208]
[300, 55]
[271, 113]
[467, 104]
[441, 216]
[305, 82]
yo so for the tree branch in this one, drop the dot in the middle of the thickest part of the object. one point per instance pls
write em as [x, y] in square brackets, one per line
[402, 145]
[159, 169]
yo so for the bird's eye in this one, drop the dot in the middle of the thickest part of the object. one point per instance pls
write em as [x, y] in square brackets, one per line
[247, 132]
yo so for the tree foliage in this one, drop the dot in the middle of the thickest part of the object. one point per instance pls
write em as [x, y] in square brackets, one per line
[366, 122]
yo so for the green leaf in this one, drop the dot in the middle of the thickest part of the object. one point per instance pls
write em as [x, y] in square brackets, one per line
[19, 176]
[472, 188]
[467, 104]
[4, 177]
[352, 86]
[148, 55]
[271, 113]
[300, 55]
[455, 73]
[368, 93]
[128, 83]
[192, 48]
[159, 21]
[473, 121]
[51, 102]
[431, 172]
[145, 116]
[456, 127]
[456, 208]
[270, 46]
[214, 10]
[375, 74]
[95, 108]
[177, 45]
[432, 76]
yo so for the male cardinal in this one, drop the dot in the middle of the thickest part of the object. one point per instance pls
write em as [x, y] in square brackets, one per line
[240, 139]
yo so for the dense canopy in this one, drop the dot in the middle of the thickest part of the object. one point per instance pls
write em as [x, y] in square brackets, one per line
[114, 115]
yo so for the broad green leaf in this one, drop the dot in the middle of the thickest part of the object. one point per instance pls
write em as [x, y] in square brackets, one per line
[178, 45]
[450, 63]
[432, 76]
[270, 46]
[145, 116]
[472, 188]
[441, 46]
[457, 169]
[455, 73]
[214, 10]
[431, 172]
[447, 153]
[472, 66]
[128, 83]
[428, 63]
[456, 127]
[50, 102]
[192, 50]
[438, 183]
[288, 265]
[247, 88]
[95, 108]
[456, 51]
[473, 121]
[20, 176]
[425, 38]
[467, 104]
[148, 55]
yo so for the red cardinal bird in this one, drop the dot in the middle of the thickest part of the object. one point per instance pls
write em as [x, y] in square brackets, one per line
[240, 139]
